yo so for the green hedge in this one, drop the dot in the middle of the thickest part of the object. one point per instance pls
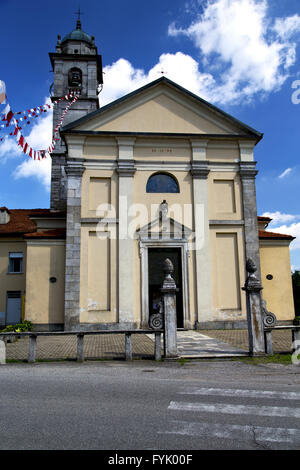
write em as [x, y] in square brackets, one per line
[19, 327]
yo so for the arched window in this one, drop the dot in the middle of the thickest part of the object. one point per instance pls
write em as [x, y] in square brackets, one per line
[162, 183]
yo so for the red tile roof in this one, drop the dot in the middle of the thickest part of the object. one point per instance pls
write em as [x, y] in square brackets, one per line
[20, 222]
[3, 208]
[274, 235]
[261, 218]
[53, 233]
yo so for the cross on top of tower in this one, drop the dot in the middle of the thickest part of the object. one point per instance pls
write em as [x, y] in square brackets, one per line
[78, 24]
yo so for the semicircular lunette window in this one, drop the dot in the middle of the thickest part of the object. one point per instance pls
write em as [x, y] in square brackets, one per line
[162, 183]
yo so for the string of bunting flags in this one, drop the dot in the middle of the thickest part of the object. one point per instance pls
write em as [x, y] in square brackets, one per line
[10, 119]
[33, 112]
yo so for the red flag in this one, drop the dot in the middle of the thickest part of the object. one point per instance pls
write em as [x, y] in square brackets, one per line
[21, 141]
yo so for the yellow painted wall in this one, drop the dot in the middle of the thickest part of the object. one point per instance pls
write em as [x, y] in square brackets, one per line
[224, 196]
[228, 275]
[225, 203]
[98, 274]
[223, 152]
[162, 151]
[161, 114]
[277, 292]
[161, 109]
[45, 300]
[98, 187]
[107, 151]
[10, 282]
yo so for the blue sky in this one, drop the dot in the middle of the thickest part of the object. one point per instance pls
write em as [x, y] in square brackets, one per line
[241, 55]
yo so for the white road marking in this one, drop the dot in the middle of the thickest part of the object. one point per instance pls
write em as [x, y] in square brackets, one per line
[242, 393]
[235, 432]
[236, 409]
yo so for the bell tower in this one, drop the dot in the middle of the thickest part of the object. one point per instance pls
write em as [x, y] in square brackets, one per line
[76, 66]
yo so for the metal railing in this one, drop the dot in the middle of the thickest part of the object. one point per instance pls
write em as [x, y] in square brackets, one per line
[80, 340]
[268, 336]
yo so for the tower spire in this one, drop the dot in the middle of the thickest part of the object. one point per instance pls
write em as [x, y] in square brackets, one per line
[78, 24]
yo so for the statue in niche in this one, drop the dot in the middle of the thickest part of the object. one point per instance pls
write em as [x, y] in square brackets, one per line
[75, 78]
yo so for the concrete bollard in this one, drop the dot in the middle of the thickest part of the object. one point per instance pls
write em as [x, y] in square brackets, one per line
[295, 337]
[32, 349]
[268, 341]
[157, 351]
[128, 347]
[80, 352]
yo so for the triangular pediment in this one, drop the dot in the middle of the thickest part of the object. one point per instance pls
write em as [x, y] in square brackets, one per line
[161, 107]
[164, 228]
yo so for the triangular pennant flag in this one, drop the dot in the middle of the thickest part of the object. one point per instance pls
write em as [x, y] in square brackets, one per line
[21, 141]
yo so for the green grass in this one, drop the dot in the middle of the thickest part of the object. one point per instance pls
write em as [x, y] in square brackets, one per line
[183, 361]
[285, 359]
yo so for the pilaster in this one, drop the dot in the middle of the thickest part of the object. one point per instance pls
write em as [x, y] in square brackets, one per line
[248, 173]
[246, 150]
[200, 172]
[125, 170]
[74, 171]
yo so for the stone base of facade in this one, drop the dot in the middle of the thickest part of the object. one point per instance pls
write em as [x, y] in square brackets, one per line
[104, 326]
[221, 325]
[48, 327]
[232, 325]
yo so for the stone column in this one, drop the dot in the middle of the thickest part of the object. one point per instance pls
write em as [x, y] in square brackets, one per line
[199, 172]
[248, 173]
[253, 290]
[169, 300]
[74, 171]
[126, 170]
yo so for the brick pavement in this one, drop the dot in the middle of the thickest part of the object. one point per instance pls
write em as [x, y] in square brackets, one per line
[282, 340]
[113, 346]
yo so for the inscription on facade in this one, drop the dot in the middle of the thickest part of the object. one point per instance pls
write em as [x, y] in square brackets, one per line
[166, 150]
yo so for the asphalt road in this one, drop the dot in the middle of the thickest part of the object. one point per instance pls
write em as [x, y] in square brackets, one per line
[147, 405]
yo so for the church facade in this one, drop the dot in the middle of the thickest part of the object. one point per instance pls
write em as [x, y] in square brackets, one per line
[159, 173]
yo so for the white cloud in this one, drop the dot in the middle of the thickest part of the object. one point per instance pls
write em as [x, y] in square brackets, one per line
[285, 173]
[295, 268]
[119, 79]
[278, 217]
[290, 225]
[255, 53]
[243, 51]
[287, 27]
[39, 138]
[293, 229]
[9, 149]
[179, 67]
[37, 169]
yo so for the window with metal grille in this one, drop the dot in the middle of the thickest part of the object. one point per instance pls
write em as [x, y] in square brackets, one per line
[13, 294]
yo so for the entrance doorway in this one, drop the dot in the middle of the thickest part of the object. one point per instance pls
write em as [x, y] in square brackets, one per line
[13, 307]
[156, 257]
